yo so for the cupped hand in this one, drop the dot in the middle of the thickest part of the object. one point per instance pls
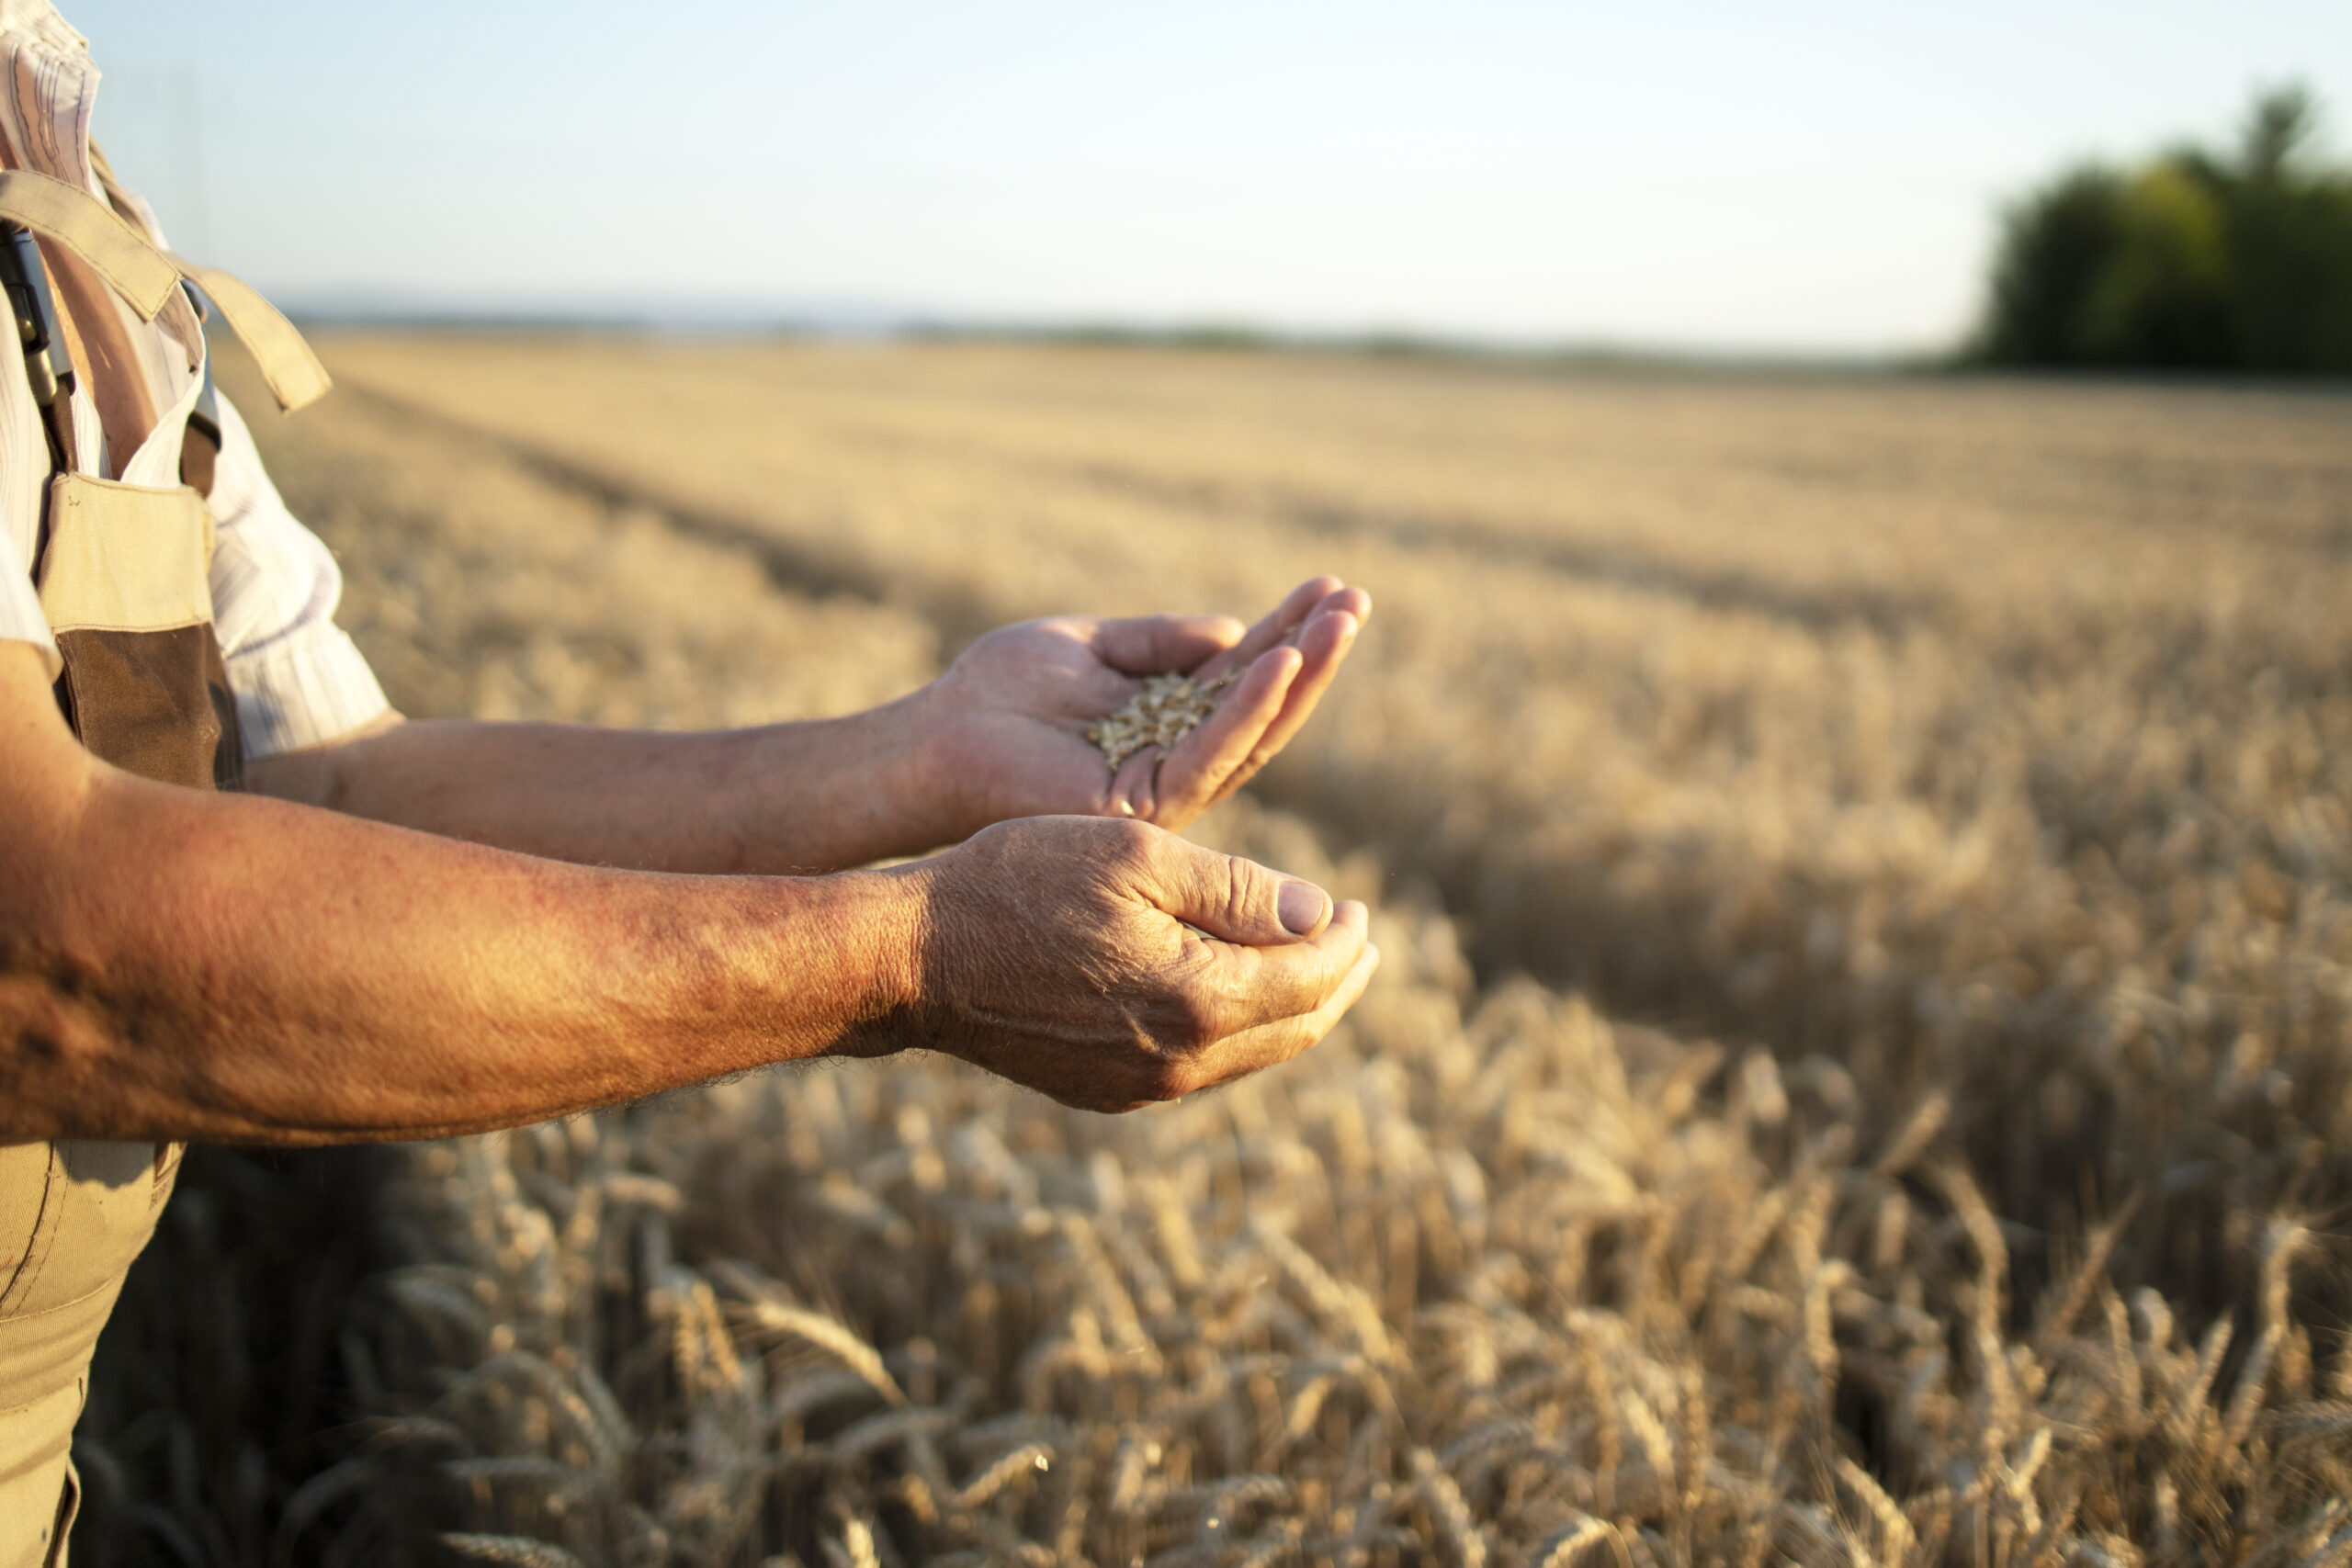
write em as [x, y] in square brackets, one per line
[1111, 964]
[1010, 717]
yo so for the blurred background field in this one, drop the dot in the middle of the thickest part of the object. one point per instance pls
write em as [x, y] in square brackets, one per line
[1862, 1073]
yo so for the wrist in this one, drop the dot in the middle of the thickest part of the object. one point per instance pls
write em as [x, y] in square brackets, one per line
[933, 788]
[882, 925]
[814, 796]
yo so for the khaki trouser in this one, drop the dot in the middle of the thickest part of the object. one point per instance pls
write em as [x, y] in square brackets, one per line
[73, 1216]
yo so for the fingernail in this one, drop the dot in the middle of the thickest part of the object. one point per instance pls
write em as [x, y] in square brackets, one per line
[1301, 906]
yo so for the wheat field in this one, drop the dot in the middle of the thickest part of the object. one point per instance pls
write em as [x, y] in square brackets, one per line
[1863, 1073]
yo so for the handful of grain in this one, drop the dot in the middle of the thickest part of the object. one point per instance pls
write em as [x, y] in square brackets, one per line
[1168, 708]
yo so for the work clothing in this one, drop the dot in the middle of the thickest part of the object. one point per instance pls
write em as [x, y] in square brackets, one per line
[189, 626]
[297, 678]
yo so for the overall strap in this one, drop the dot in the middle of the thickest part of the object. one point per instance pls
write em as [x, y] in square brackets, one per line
[48, 364]
[142, 275]
[200, 443]
[145, 278]
[296, 377]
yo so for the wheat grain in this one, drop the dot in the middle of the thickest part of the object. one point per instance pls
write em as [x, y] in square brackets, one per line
[825, 1334]
[1167, 709]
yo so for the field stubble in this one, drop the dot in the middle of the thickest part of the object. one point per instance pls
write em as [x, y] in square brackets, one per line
[1953, 776]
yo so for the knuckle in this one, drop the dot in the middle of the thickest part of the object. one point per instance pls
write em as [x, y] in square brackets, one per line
[1239, 892]
[1114, 848]
[1132, 840]
[1252, 893]
[1162, 1079]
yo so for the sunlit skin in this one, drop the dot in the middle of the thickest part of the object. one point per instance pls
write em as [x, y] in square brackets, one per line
[432, 928]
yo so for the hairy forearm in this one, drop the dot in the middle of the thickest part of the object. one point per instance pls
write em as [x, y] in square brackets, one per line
[181, 965]
[779, 799]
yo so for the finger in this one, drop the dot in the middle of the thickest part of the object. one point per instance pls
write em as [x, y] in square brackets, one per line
[1235, 900]
[1322, 648]
[1153, 645]
[1198, 765]
[1270, 1044]
[1242, 987]
[1134, 787]
[1356, 602]
[1295, 607]
[1250, 989]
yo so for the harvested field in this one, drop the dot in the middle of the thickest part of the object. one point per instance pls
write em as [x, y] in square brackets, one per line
[1863, 1071]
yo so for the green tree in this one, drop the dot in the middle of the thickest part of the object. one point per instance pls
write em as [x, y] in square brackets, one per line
[2192, 262]
[2056, 248]
[2290, 228]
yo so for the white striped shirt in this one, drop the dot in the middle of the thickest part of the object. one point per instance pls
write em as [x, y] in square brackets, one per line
[298, 679]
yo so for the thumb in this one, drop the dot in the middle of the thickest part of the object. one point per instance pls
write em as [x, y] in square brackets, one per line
[1238, 900]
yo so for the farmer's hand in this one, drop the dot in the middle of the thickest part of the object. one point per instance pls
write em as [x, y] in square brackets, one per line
[1008, 721]
[1053, 955]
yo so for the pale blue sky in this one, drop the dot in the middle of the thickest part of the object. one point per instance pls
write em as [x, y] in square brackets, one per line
[1807, 176]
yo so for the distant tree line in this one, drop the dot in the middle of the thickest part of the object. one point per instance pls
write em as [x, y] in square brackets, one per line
[2195, 261]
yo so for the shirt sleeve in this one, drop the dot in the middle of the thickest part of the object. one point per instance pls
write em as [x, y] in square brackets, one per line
[300, 680]
[24, 472]
[20, 617]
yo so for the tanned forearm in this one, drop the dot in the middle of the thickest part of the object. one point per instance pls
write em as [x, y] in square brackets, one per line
[779, 799]
[175, 964]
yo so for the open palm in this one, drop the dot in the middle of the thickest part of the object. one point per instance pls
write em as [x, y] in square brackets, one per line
[1014, 709]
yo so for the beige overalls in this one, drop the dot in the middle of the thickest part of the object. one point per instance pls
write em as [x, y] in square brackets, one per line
[123, 574]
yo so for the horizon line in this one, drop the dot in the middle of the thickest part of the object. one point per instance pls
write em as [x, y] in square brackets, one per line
[1210, 334]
